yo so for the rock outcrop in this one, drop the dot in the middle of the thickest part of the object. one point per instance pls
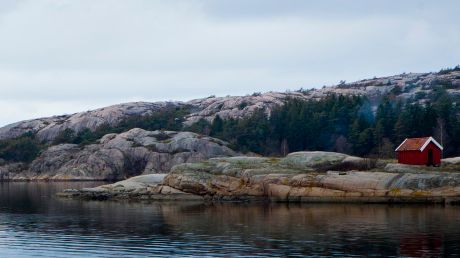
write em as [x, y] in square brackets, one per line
[285, 180]
[447, 165]
[146, 187]
[451, 161]
[49, 128]
[118, 156]
[413, 86]
[6, 170]
[290, 179]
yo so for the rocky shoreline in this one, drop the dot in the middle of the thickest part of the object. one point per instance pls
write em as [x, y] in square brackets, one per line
[276, 192]
[300, 177]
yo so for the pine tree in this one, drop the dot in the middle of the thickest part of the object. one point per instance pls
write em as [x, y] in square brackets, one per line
[217, 126]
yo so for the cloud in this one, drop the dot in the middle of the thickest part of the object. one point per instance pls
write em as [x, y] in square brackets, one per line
[94, 53]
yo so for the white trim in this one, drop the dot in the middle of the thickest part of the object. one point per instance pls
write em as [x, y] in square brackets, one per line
[431, 139]
[401, 144]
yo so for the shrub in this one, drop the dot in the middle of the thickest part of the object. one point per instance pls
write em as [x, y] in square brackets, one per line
[22, 149]
[162, 136]
[242, 105]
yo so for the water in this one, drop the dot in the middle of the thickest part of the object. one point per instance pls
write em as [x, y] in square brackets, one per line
[35, 223]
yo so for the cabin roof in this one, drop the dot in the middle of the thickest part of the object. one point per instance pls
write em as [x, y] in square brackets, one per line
[419, 144]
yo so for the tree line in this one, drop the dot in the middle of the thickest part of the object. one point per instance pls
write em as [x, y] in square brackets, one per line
[347, 124]
[344, 124]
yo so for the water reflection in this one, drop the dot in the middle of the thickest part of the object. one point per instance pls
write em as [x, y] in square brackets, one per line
[33, 222]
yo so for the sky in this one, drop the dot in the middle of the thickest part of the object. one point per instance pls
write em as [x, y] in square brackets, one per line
[65, 56]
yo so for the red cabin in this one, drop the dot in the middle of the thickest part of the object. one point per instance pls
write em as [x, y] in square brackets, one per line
[420, 151]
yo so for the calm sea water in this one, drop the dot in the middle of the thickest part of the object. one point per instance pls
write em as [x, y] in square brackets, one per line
[35, 223]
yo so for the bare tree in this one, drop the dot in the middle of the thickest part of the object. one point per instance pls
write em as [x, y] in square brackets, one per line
[284, 147]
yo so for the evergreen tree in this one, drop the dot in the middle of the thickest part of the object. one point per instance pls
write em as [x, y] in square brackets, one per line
[217, 126]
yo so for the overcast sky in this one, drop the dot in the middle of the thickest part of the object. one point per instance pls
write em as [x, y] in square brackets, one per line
[65, 56]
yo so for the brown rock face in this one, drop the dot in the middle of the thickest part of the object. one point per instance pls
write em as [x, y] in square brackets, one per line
[284, 180]
[290, 179]
[146, 187]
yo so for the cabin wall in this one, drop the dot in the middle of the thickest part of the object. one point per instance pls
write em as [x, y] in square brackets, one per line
[411, 157]
[437, 153]
[420, 158]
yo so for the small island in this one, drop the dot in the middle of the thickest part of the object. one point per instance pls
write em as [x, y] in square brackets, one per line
[330, 144]
[299, 177]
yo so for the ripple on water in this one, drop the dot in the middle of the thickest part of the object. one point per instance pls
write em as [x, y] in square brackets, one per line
[34, 223]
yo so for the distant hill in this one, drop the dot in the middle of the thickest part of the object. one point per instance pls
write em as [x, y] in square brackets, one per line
[411, 87]
[367, 118]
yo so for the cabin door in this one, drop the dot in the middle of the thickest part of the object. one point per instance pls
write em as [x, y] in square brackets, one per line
[430, 158]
